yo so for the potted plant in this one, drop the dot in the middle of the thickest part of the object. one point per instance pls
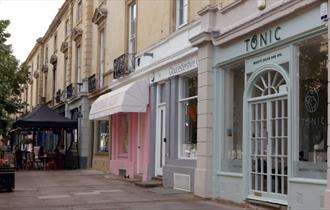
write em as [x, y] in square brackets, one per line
[7, 175]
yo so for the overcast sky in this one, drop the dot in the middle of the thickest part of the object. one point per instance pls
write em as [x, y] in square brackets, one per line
[29, 21]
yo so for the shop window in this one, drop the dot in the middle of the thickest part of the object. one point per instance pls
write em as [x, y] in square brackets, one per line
[311, 154]
[188, 116]
[123, 149]
[181, 12]
[103, 136]
[233, 116]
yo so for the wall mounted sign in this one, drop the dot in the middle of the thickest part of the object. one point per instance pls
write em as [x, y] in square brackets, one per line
[174, 70]
[277, 56]
[263, 39]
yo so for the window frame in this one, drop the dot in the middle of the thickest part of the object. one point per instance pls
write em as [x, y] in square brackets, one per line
[181, 116]
[79, 11]
[101, 55]
[98, 133]
[181, 13]
[78, 63]
[55, 42]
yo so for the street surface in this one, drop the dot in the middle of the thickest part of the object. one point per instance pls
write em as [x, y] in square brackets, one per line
[89, 189]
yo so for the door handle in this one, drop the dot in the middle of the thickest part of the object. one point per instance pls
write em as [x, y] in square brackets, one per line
[164, 139]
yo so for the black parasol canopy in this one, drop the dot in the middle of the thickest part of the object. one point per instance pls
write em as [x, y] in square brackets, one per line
[43, 117]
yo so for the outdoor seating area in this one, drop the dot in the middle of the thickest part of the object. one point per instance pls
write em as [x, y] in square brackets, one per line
[28, 161]
[44, 140]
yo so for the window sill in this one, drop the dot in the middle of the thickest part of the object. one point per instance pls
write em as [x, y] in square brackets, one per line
[101, 153]
[308, 181]
[232, 174]
[181, 26]
[187, 158]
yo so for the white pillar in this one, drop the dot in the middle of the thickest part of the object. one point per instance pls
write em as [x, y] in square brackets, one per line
[204, 165]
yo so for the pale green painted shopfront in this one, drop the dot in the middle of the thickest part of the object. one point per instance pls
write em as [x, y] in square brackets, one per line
[270, 111]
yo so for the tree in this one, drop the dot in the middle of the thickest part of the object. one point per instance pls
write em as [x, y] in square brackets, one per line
[12, 79]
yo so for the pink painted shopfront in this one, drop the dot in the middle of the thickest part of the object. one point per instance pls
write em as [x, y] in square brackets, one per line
[127, 109]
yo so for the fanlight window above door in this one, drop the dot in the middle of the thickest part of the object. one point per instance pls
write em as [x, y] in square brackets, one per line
[269, 83]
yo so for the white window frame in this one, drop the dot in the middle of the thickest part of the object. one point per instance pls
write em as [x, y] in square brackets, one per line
[101, 56]
[181, 12]
[181, 118]
[132, 15]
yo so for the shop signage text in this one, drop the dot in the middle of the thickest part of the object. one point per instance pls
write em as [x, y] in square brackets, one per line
[183, 67]
[263, 39]
[174, 70]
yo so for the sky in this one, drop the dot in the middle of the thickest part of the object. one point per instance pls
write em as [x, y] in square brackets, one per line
[29, 21]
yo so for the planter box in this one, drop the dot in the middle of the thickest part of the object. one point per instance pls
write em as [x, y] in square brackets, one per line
[7, 178]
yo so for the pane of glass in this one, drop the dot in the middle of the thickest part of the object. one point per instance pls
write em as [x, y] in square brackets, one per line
[232, 141]
[253, 183]
[162, 93]
[189, 87]
[311, 157]
[103, 136]
[189, 144]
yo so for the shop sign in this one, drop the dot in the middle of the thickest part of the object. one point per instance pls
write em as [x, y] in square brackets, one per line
[263, 39]
[174, 70]
[277, 56]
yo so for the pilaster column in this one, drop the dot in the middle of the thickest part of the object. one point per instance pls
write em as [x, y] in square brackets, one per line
[204, 165]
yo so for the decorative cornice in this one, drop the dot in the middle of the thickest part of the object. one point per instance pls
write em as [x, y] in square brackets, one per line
[76, 34]
[202, 37]
[208, 8]
[99, 15]
[64, 47]
[53, 59]
[44, 68]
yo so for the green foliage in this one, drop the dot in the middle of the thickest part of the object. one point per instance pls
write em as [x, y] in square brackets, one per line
[12, 79]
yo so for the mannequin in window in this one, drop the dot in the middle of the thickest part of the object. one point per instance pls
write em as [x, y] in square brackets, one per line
[301, 156]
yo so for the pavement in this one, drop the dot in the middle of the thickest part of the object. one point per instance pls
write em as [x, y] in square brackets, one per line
[90, 189]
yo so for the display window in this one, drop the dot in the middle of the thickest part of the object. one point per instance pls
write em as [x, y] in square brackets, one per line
[188, 116]
[310, 159]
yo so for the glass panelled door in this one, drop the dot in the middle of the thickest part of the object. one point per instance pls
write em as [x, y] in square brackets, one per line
[268, 138]
[160, 141]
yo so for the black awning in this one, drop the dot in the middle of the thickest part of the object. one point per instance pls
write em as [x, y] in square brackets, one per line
[43, 117]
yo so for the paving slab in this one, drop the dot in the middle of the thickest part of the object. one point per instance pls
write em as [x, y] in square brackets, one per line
[91, 189]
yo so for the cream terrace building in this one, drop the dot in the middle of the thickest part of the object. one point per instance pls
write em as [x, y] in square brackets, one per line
[223, 98]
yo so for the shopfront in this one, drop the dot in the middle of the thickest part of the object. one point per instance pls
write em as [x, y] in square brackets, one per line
[122, 128]
[271, 113]
[174, 109]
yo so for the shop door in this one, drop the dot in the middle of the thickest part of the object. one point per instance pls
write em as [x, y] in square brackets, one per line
[160, 141]
[268, 138]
